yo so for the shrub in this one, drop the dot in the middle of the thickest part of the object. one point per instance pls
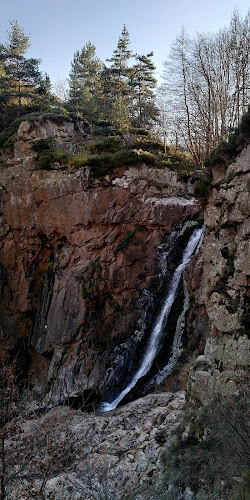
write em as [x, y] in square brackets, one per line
[140, 131]
[109, 145]
[46, 155]
[125, 242]
[78, 160]
[8, 135]
[55, 116]
[45, 160]
[2, 162]
[226, 151]
[103, 163]
[146, 144]
[201, 188]
[42, 145]
[202, 452]
[105, 129]
[244, 126]
[242, 490]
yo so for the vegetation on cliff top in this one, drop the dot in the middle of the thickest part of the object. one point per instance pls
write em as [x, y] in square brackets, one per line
[104, 156]
[226, 151]
[206, 86]
[121, 94]
[224, 154]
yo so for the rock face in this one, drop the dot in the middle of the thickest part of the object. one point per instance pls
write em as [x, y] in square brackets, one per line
[63, 135]
[69, 454]
[76, 255]
[223, 368]
[78, 271]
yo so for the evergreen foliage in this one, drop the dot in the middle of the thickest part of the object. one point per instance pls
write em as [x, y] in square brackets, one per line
[23, 88]
[8, 134]
[85, 89]
[201, 188]
[119, 71]
[23, 77]
[120, 115]
[124, 243]
[46, 155]
[118, 93]
[226, 151]
[143, 83]
[104, 156]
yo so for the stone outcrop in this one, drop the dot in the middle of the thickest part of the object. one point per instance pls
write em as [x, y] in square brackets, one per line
[62, 134]
[223, 367]
[77, 255]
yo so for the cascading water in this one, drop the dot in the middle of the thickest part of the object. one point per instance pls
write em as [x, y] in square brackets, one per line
[156, 333]
[176, 347]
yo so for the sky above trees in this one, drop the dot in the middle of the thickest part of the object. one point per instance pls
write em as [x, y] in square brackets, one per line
[59, 28]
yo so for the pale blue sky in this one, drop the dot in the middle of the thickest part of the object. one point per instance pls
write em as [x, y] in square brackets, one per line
[60, 27]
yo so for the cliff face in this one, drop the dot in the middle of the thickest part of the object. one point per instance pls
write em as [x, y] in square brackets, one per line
[79, 272]
[76, 254]
[224, 288]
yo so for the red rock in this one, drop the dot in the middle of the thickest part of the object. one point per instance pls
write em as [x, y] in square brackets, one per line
[60, 258]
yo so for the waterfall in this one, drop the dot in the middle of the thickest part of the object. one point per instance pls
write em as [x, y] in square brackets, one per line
[177, 345]
[156, 333]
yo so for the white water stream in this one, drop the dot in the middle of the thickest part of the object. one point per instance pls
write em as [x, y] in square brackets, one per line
[177, 345]
[155, 337]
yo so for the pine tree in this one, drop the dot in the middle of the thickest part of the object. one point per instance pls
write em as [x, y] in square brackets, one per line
[119, 70]
[117, 83]
[143, 83]
[85, 88]
[120, 115]
[106, 100]
[23, 76]
[44, 92]
[3, 80]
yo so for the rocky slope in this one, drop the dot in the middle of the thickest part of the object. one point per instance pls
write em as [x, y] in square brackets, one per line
[68, 454]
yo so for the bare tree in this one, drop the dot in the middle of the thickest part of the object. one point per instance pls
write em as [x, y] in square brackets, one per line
[207, 85]
[61, 89]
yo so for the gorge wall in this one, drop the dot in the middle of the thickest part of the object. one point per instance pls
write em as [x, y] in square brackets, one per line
[77, 255]
[223, 368]
[81, 280]
[80, 270]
